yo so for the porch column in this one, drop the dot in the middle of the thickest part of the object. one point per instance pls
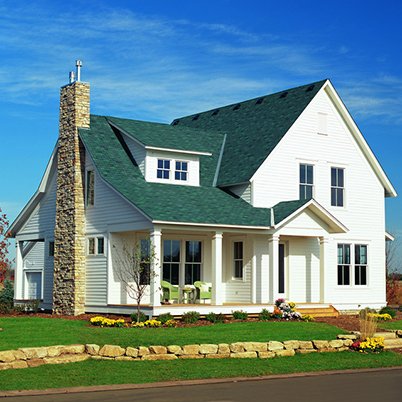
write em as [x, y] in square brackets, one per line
[217, 288]
[323, 258]
[19, 272]
[156, 263]
[273, 248]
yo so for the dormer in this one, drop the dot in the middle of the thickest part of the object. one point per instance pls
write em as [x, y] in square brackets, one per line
[164, 153]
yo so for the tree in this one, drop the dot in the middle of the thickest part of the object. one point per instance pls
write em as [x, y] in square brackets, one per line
[133, 268]
[392, 264]
[5, 262]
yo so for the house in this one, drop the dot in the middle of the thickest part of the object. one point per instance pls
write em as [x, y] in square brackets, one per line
[278, 196]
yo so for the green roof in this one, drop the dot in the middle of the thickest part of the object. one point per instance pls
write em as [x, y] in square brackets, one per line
[253, 128]
[287, 208]
[164, 202]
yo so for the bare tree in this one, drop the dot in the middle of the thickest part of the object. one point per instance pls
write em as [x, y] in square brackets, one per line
[393, 256]
[133, 268]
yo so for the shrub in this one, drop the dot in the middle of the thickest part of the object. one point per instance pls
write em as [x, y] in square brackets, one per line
[215, 318]
[308, 318]
[264, 315]
[190, 317]
[240, 315]
[143, 317]
[164, 318]
[381, 317]
[7, 297]
[171, 323]
[368, 325]
[388, 310]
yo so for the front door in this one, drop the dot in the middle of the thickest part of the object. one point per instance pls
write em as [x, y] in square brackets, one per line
[281, 271]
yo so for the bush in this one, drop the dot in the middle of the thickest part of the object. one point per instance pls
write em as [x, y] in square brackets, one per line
[388, 310]
[164, 318]
[215, 318]
[7, 297]
[143, 317]
[240, 315]
[264, 315]
[100, 321]
[190, 317]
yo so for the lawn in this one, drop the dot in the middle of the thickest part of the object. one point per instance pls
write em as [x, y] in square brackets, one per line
[34, 331]
[391, 325]
[120, 372]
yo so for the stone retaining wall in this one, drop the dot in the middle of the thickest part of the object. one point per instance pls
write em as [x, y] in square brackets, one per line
[33, 357]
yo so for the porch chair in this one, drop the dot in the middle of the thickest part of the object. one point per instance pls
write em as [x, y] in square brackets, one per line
[169, 291]
[204, 289]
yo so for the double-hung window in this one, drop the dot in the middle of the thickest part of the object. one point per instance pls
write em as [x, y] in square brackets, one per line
[181, 171]
[360, 264]
[192, 271]
[238, 259]
[163, 170]
[171, 261]
[337, 186]
[344, 264]
[96, 246]
[306, 181]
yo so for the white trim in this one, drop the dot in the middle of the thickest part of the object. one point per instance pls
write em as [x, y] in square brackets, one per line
[38, 195]
[212, 225]
[389, 237]
[389, 189]
[179, 151]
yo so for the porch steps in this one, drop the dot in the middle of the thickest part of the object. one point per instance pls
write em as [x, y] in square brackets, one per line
[329, 311]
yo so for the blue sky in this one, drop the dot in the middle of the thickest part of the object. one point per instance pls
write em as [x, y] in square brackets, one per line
[157, 59]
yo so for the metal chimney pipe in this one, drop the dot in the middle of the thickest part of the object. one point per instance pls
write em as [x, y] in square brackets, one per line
[72, 77]
[78, 64]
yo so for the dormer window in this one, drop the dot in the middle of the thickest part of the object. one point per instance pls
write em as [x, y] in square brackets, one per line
[163, 171]
[181, 171]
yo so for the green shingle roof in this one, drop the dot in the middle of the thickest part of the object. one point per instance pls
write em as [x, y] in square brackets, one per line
[253, 128]
[286, 208]
[164, 202]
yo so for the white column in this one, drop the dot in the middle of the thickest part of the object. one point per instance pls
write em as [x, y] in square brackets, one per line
[217, 288]
[254, 275]
[156, 263]
[273, 248]
[323, 258]
[19, 272]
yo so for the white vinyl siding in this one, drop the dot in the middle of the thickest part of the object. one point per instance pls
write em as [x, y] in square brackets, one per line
[277, 180]
[243, 191]
[137, 151]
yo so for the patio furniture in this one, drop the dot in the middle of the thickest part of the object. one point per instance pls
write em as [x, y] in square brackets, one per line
[169, 291]
[188, 294]
[204, 290]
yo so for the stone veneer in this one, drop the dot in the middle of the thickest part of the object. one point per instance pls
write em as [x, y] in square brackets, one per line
[32, 357]
[69, 234]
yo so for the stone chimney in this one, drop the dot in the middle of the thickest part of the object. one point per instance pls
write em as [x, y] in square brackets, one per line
[69, 234]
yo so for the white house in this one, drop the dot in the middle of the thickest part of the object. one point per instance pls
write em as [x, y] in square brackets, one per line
[278, 196]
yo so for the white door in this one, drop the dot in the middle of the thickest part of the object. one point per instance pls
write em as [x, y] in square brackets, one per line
[34, 285]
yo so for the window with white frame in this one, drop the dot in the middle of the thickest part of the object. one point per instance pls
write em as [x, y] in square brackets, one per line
[90, 188]
[171, 261]
[192, 269]
[344, 264]
[352, 264]
[238, 260]
[33, 282]
[181, 171]
[337, 186]
[96, 245]
[163, 170]
[306, 185]
[360, 264]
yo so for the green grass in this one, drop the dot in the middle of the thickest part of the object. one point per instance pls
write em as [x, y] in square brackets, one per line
[33, 331]
[391, 324]
[119, 372]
